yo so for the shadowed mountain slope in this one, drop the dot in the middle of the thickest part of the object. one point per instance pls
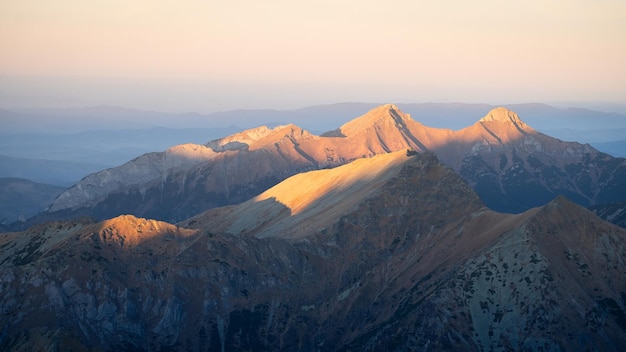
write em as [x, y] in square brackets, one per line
[413, 262]
[511, 166]
[306, 202]
[612, 212]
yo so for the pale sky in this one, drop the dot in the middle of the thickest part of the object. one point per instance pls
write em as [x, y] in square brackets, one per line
[194, 55]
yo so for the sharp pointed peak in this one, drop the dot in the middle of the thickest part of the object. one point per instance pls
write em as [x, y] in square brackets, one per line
[385, 108]
[502, 114]
[380, 114]
[389, 106]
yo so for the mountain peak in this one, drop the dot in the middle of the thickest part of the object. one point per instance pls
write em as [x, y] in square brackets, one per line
[388, 109]
[390, 106]
[376, 118]
[501, 114]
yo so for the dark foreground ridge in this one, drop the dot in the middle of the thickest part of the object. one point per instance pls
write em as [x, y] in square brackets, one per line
[416, 263]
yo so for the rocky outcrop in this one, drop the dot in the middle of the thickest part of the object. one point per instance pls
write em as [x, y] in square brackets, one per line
[413, 262]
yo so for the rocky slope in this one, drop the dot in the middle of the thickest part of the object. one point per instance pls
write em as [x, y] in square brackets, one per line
[239, 167]
[405, 258]
[511, 166]
[612, 212]
[134, 174]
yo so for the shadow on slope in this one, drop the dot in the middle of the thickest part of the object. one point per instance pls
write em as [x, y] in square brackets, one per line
[415, 261]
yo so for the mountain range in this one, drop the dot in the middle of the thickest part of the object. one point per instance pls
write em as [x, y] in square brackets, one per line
[382, 234]
[317, 118]
[41, 142]
[510, 165]
[392, 252]
[58, 173]
[108, 147]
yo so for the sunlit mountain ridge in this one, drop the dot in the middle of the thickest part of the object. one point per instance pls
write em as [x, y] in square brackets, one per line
[512, 166]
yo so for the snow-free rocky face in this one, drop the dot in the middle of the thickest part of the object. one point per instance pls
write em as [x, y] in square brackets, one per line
[510, 165]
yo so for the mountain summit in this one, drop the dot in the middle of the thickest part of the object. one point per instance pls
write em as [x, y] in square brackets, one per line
[503, 115]
[499, 126]
[384, 116]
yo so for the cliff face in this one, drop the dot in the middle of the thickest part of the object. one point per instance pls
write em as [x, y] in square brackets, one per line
[414, 263]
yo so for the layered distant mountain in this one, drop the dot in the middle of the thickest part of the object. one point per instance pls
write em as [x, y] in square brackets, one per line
[54, 172]
[511, 166]
[21, 199]
[395, 252]
[605, 120]
[105, 148]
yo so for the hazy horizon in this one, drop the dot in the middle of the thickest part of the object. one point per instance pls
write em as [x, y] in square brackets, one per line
[207, 56]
